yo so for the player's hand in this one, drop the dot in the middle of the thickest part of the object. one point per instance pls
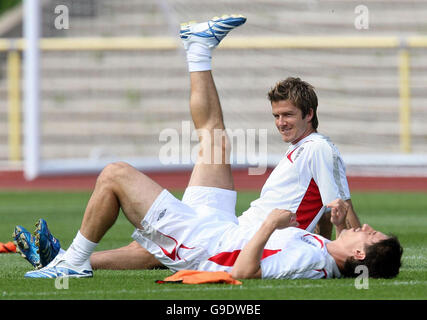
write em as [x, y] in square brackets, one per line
[281, 218]
[339, 210]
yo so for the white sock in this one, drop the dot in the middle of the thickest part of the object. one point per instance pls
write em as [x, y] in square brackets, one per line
[199, 57]
[80, 250]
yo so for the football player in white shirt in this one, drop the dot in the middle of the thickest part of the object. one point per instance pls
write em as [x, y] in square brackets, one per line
[311, 173]
[318, 257]
[205, 236]
[312, 166]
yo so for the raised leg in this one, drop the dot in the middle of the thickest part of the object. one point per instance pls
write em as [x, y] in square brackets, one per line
[213, 167]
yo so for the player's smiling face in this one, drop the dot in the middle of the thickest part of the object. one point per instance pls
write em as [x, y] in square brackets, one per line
[289, 121]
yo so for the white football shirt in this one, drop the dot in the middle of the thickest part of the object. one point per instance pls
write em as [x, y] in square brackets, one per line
[211, 239]
[310, 175]
[290, 253]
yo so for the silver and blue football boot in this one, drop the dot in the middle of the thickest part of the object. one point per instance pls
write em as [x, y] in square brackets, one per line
[211, 32]
[48, 245]
[26, 246]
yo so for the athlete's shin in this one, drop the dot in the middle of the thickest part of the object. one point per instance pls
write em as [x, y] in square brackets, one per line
[103, 207]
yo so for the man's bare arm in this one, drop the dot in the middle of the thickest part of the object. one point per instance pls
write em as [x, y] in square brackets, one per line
[339, 211]
[352, 220]
[248, 262]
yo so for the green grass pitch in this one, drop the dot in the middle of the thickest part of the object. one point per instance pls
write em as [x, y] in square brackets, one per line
[404, 214]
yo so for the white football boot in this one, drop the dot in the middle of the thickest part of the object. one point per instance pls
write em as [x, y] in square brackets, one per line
[59, 267]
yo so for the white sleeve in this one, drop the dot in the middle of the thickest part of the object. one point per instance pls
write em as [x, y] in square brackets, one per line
[293, 263]
[328, 170]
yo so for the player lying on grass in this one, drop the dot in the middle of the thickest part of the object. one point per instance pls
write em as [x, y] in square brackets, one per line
[214, 242]
[310, 175]
[202, 231]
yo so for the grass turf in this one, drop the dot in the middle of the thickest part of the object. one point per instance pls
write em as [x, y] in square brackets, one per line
[403, 214]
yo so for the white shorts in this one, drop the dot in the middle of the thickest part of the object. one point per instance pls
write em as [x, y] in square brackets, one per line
[181, 234]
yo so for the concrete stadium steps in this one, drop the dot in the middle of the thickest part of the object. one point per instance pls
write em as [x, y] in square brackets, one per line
[165, 59]
[137, 145]
[126, 61]
[170, 63]
[81, 72]
[363, 108]
[112, 106]
[108, 103]
[171, 101]
[81, 75]
[67, 122]
[296, 17]
[137, 89]
[132, 145]
[100, 148]
[378, 84]
[166, 63]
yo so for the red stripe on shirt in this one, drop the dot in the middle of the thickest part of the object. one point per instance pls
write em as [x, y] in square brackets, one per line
[309, 206]
[229, 258]
[312, 235]
[324, 272]
[290, 154]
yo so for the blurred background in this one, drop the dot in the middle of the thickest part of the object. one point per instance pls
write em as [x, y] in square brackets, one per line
[117, 76]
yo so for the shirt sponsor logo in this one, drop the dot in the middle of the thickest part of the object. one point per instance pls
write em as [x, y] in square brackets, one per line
[161, 214]
[309, 238]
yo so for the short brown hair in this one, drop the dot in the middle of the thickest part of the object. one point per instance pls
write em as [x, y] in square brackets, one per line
[300, 93]
[383, 260]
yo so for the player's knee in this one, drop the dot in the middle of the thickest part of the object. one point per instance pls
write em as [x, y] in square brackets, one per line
[134, 245]
[114, 172]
